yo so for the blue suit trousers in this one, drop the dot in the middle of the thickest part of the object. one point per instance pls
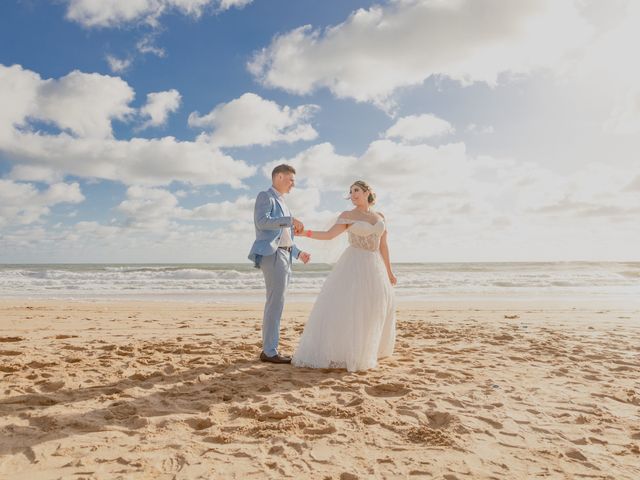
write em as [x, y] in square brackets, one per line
[276, 269]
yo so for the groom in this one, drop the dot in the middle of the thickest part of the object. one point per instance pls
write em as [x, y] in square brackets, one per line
[272, 252]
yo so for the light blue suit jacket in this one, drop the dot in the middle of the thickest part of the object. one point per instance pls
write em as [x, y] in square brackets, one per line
[269, 220]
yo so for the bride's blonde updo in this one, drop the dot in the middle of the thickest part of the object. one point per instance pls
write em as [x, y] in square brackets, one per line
[365, 188]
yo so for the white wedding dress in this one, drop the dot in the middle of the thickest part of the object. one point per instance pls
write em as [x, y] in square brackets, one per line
[352, 323]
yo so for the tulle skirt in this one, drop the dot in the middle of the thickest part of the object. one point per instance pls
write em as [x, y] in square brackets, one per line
[352, 323]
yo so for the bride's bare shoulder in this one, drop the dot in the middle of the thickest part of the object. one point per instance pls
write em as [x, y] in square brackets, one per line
[348, 215]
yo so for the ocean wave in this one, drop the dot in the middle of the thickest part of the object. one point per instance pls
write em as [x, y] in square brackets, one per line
[414, 279]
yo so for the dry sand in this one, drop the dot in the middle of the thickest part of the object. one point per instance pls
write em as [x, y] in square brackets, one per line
[173, 390]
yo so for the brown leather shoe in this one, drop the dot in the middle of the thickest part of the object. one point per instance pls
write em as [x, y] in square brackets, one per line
[277, 358]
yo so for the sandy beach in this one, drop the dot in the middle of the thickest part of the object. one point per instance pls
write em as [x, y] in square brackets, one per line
[132, 390]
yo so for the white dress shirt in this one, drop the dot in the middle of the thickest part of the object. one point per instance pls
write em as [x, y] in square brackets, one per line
[285, 238]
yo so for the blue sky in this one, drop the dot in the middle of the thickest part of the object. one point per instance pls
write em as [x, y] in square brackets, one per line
[490, 132]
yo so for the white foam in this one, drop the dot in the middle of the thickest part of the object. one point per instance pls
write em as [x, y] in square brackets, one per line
[421, 280]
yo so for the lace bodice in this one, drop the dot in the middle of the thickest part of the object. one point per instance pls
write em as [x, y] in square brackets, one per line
[364, 235]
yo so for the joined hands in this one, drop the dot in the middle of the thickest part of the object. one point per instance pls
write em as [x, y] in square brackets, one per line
[298, 229]
[298, 226]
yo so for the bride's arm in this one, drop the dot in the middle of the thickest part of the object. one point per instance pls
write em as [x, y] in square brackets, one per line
[333, 232]
[384, 251]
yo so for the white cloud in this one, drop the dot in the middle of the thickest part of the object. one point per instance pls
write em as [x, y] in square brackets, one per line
[118, 65]
[157, 161]
[320, 167]
[227, 4]
[441, 204]
[158, 107]
[147, 45]
[238, 210]
[23, 203]
[150, 208]
[85, 105]
[252, 120]
[473, 128]
[380, 49]
[419, 127]
[96, 229]
[453, 203]
[35, 173]
[156, 209]
[113, 13]
[607, 70]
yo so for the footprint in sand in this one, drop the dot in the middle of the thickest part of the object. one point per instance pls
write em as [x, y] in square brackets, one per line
[10, 353]
[348, 476]
[10, 339]
[440, 420]
[74, 347]
[219, 439]
[576, 455]
[199, 423]
[9, 368]
[387, 390]
[490, 421]
[48, 386]
[581, 420]
[120, 411]
[38, 401]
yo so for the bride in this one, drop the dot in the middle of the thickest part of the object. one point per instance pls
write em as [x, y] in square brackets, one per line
[352, 323]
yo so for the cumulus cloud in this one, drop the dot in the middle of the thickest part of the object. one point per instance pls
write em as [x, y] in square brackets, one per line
[157, 161]
[35, 173]
[118, 65]
[252, 120]
[241, 209]
[227, 4]
[155, 209]
[385, 164]
[380, 49]
[439, 192]
[83, 107]
[113, 13]
[158, 107]
[83, 104]
[150, 208]
[419, 127]
[319, 166]
[23, 203]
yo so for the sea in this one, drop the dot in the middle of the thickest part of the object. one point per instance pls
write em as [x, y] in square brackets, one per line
[242, 282]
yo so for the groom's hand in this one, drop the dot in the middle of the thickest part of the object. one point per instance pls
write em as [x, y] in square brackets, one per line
[304, 257]
[298, 226]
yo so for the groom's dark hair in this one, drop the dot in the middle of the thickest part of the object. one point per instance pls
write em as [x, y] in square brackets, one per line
[282, 168]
